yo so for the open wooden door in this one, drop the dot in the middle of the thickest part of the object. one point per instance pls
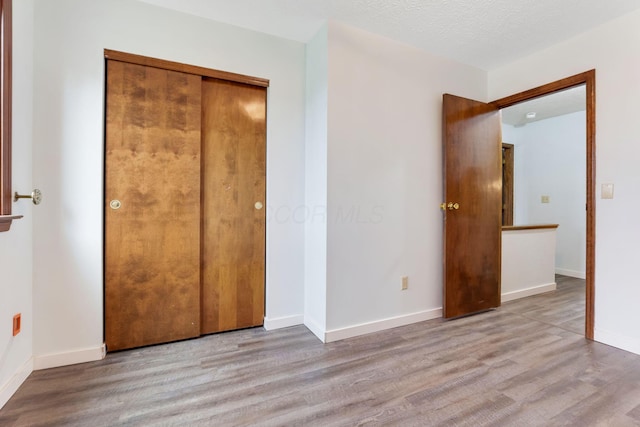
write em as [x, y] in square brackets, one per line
[472, 208]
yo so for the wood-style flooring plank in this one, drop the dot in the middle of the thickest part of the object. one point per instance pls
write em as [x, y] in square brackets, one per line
[525, 364]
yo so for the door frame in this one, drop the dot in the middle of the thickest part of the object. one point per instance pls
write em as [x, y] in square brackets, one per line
[588, 78]
[507, 184]
[184, 68]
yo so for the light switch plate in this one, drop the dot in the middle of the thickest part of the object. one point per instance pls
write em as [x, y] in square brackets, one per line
[607, 191]
[544, 199]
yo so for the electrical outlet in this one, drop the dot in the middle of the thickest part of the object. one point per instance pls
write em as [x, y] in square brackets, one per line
[405, 283]
[17, 324]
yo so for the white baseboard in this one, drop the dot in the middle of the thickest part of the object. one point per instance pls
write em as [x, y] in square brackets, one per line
[571, 273]
[282, 322]
[616, 340]
[381, 325]
[535, 290]
[315, 329]
[10, 387]
[69, 357]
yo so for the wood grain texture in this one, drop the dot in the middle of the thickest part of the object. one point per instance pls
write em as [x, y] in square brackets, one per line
[184, 68]
[506, 367]
[233, 229]
[6, 12]
[473, 178]
[588, 78]
[590, 82]
[564, 308]
[507, 183]
[529, 227]
[152, 165]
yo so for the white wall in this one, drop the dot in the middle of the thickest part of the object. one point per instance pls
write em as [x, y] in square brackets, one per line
[528, 263]
[315, 210]
[385, 179]
[550, 159]
[612, 50]
[16, 245]
[70, 36]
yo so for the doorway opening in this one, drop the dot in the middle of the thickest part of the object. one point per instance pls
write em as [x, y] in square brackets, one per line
[587, 81]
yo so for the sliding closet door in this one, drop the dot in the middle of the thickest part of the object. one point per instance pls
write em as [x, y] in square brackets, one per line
[233, 205]
[152, 206]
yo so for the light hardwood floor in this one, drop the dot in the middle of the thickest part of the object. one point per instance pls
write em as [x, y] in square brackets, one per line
[564, 308]
[520, 365]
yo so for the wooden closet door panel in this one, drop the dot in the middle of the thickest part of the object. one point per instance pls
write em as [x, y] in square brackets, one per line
[152, 167]
[233, 203]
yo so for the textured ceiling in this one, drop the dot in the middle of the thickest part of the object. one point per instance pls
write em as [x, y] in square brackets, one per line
[483, 33]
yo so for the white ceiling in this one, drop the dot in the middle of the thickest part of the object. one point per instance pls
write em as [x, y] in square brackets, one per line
[482, 33]
[559, 103]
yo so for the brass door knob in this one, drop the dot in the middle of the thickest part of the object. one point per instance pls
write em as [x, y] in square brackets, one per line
[451, 206]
